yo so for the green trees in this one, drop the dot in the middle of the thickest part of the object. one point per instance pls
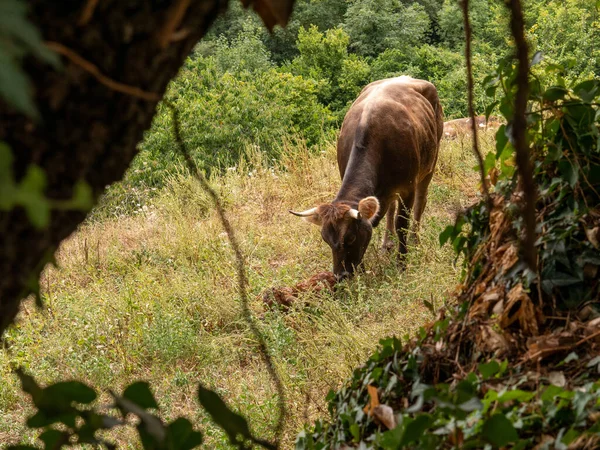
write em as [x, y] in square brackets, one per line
[377, 25]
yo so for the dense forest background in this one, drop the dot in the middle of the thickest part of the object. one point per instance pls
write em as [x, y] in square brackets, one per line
[244, 86]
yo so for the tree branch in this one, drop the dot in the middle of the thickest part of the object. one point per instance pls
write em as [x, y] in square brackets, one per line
[467, 23]
[240, 269]
[519, 126]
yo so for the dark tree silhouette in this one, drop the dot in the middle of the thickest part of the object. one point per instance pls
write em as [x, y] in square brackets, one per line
[118, 57]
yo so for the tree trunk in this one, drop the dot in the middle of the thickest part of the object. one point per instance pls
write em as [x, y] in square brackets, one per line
[88, 131]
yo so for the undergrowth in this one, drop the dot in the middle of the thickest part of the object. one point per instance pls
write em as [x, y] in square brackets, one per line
[514, 363]
[148, 292]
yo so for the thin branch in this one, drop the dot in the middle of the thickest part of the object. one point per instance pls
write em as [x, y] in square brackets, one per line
[519, 125]
[172, 22]
[467, 23]
[88, 12]
[78, 60]
[240, 269]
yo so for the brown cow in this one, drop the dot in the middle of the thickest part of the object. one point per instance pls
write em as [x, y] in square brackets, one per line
[386, 151]
[456, 127]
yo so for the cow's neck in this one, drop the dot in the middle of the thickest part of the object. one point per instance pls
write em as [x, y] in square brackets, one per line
[356, 185]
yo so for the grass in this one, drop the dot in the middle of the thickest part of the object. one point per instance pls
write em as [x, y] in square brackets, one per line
[151, 294]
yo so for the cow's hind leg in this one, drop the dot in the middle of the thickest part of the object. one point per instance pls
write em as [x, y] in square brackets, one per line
[390, 228]
[420, 202]
[405, 206]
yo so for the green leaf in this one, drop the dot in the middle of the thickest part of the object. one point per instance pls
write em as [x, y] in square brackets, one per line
[570, 436]
[70, 391]
[501, 140]
[83, 198]
[448, 233]
[181, 435]
[489, 162]
[232, 423]
[16, 26]
[588, 90]
[515, 394]
[54, 439]
[488, 370]
[14, 86]
[391, 439]
[355, 432]
[413, 431]
[552, 392]
[555, 93]
[489, 109]
[499, 431]
[569, 172]
[140, 394]
[31, 196]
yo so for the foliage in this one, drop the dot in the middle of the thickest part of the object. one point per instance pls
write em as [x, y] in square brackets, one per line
[573, 44]
[563, 129]
[479, 411]
[427, 394]
[165, 309]
[28, 193]
[443, 67]
[224, 113]
[395, 25]
[66, 417]
[18, 39]
[324, 57]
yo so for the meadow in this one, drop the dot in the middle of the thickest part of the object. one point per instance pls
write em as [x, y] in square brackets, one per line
[146, 289]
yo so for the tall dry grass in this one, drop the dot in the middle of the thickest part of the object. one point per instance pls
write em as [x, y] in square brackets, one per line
[152, 295]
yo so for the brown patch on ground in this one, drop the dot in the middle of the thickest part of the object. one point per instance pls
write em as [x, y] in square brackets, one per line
[286, 296]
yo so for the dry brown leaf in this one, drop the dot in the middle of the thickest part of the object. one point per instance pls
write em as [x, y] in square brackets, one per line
[593, 324]
[557, 379]
[373, 400]
[385, 415]
[593, 235]
[507, 255]
[542, 346]
[519, 307]
[491, 341]
[272, 12]
[544, 441]
[485, 302]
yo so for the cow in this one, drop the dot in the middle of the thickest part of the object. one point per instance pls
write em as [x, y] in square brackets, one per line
[462, 127]
[386, 153]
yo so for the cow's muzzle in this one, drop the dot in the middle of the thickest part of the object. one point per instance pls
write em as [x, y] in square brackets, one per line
[342, 276]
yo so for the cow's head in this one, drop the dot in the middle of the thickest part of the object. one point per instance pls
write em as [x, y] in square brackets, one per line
[347, 231]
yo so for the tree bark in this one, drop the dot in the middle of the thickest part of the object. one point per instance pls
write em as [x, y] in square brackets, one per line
[88, 131]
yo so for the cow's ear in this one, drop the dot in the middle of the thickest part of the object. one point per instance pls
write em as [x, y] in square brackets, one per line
[314, 219]
[368, 208]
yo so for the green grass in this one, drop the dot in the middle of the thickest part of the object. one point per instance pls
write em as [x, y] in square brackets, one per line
[150, 293]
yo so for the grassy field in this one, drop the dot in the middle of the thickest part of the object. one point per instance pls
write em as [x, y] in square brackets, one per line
[152, 295]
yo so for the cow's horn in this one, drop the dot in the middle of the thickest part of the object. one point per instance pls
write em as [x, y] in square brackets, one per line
[307, 213]
[354, 213]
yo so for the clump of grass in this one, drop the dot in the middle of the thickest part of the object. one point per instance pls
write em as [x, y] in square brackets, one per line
[150, 293]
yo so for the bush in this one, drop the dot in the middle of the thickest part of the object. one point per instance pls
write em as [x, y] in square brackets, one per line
[223, 114]
[394, 25]
[324, 57]
[444, 68]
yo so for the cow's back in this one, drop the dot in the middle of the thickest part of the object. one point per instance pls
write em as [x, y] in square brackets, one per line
[395, 126]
